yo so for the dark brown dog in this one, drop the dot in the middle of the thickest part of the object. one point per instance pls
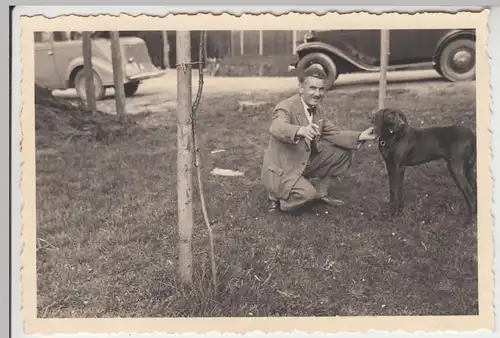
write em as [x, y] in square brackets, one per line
[404, 146]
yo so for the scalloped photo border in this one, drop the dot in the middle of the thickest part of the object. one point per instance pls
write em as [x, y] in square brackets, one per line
[269, 21]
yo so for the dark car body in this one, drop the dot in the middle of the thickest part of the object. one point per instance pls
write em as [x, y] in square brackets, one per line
[451, 52]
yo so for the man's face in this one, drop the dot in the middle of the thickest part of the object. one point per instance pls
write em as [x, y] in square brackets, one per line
[312, 90]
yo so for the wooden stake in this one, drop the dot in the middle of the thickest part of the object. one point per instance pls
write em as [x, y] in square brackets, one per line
[89, 73]
[242, 42]
[233, 47]
[294, 41]
[205, 49]
[261, 42]
[184, 156]
[384, 60]
[116, 56]
[166, 49]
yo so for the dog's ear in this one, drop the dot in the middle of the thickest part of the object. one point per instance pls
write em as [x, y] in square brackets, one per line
[402, 120]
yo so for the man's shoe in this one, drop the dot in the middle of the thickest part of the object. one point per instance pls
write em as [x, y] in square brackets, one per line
[273, 206]
[331, 201]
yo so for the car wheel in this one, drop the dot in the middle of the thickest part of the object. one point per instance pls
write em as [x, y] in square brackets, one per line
[81, 88]
[131, 88]
[457, 62]
[322, 59]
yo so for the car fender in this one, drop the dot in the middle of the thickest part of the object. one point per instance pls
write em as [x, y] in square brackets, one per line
[311, 47]
[450, 36]
[102, 67]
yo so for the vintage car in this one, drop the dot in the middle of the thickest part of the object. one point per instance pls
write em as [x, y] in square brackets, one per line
[59, 63]
[451, 52]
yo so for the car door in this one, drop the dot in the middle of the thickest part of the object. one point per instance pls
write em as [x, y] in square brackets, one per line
[67, 48]
[46, 73]
[414, 45]
[360, 44]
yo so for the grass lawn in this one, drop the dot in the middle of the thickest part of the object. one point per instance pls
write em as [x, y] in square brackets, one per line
[107, 224]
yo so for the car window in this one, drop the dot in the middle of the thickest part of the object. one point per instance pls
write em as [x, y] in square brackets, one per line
[41, 37]
[75, 36]
[61, 36]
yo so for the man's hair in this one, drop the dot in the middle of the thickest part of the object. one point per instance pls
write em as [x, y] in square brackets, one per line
[314, 70]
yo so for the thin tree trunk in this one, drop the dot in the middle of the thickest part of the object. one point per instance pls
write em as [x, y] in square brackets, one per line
[184, 156]
[384, 60]
[116, 56]
[89, 73]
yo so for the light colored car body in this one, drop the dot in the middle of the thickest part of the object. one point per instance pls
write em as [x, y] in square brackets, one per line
[59, 59]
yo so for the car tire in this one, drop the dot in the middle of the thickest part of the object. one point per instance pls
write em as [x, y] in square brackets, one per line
[325, 61]
[131, 88]
[81, 88]
[457, 61]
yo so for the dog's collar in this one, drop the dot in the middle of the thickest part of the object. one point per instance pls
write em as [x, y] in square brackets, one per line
[383, 143]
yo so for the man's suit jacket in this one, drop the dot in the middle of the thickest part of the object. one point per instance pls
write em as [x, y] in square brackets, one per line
[287, 155]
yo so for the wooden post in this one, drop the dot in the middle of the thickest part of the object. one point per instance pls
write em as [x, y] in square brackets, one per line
[184, 156]
[166, 49]
[242, 42]
[294, 39]
[205, 48]
[233, 47]
[384, 60]
[89, 74]
[116, 56]
[261, 42]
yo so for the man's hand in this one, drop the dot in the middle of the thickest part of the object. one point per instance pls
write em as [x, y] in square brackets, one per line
[368, 135]
[308, 132]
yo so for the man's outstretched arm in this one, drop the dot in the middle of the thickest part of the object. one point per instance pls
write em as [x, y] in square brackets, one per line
[343, 138]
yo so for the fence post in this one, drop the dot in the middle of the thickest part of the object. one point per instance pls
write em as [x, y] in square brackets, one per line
[184, 156]
[261, 42]
[89, 74]
[384, 60]
[294, 41]
[166, 49]
[233, 47]
[205, 48]
[242, 42]
[116, 56]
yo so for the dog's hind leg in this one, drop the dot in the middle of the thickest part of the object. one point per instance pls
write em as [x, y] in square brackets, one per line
[459, 176]
[470, 175]
[469, 165]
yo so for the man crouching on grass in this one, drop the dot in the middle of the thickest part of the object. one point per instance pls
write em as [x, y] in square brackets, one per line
[297, 151]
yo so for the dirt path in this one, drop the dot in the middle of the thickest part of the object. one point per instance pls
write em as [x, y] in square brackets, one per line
[162, 92]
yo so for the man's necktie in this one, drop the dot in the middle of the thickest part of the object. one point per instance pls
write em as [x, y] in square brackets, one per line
[311, 110]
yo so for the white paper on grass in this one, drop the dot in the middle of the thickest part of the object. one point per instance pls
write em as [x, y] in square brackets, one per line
[226, 172]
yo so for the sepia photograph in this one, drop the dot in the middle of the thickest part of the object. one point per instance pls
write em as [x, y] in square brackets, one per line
[258, 172]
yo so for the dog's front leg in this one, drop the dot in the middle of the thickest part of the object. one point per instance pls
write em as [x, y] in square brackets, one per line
[393, 175]
[400, 177]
